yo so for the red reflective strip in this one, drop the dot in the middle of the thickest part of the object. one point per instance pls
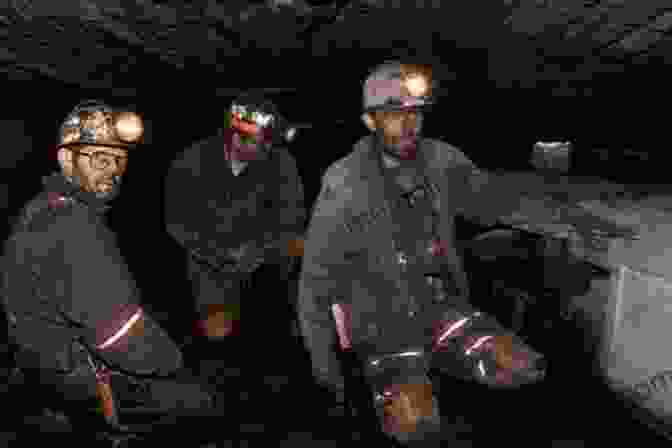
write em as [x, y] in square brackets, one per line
[451, 330]
[478, 344]
[385, 88]
[122, 331]
[245, 127]
[438, 248]
[342, 318]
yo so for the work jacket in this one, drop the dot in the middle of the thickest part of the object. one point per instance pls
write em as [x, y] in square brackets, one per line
[210, 212]
[65, 285]
[383, 258]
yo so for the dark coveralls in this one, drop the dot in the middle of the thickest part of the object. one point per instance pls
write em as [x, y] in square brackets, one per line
[368, 251]
[210, 211]
[66, 286]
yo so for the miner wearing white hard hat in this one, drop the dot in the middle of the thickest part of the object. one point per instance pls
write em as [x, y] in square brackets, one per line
[381, 275]
[75, 312]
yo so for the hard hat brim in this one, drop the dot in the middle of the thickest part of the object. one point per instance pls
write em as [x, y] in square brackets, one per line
[100, 145]
[391, 108]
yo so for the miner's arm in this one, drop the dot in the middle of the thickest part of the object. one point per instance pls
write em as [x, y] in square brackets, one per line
[290, 210]
[103, 304]
[320, 285]
[481, 196]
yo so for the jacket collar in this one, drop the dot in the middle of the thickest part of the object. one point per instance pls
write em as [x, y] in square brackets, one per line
[369, 158]
[58, 184]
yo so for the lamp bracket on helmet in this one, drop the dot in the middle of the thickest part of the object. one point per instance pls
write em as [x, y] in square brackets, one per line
[245, 113]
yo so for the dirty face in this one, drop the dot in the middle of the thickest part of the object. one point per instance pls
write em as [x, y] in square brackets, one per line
[247, 148]
[400, 131]
[96, 169]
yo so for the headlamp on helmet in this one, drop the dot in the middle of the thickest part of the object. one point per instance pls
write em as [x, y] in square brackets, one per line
[250, 122]
[129, 126]
[416, 84]
[259, 118]
[96, 124]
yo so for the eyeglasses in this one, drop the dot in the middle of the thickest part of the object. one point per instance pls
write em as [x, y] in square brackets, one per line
[100, 160]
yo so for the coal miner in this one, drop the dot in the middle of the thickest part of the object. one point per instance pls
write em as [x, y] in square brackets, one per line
[75, 313]
[234, 201]
[381, 275]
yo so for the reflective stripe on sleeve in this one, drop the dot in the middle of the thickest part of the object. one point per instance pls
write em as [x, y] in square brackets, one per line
[122, 331]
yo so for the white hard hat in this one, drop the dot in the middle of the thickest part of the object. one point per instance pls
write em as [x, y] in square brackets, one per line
[94, 123]
[395, 85]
